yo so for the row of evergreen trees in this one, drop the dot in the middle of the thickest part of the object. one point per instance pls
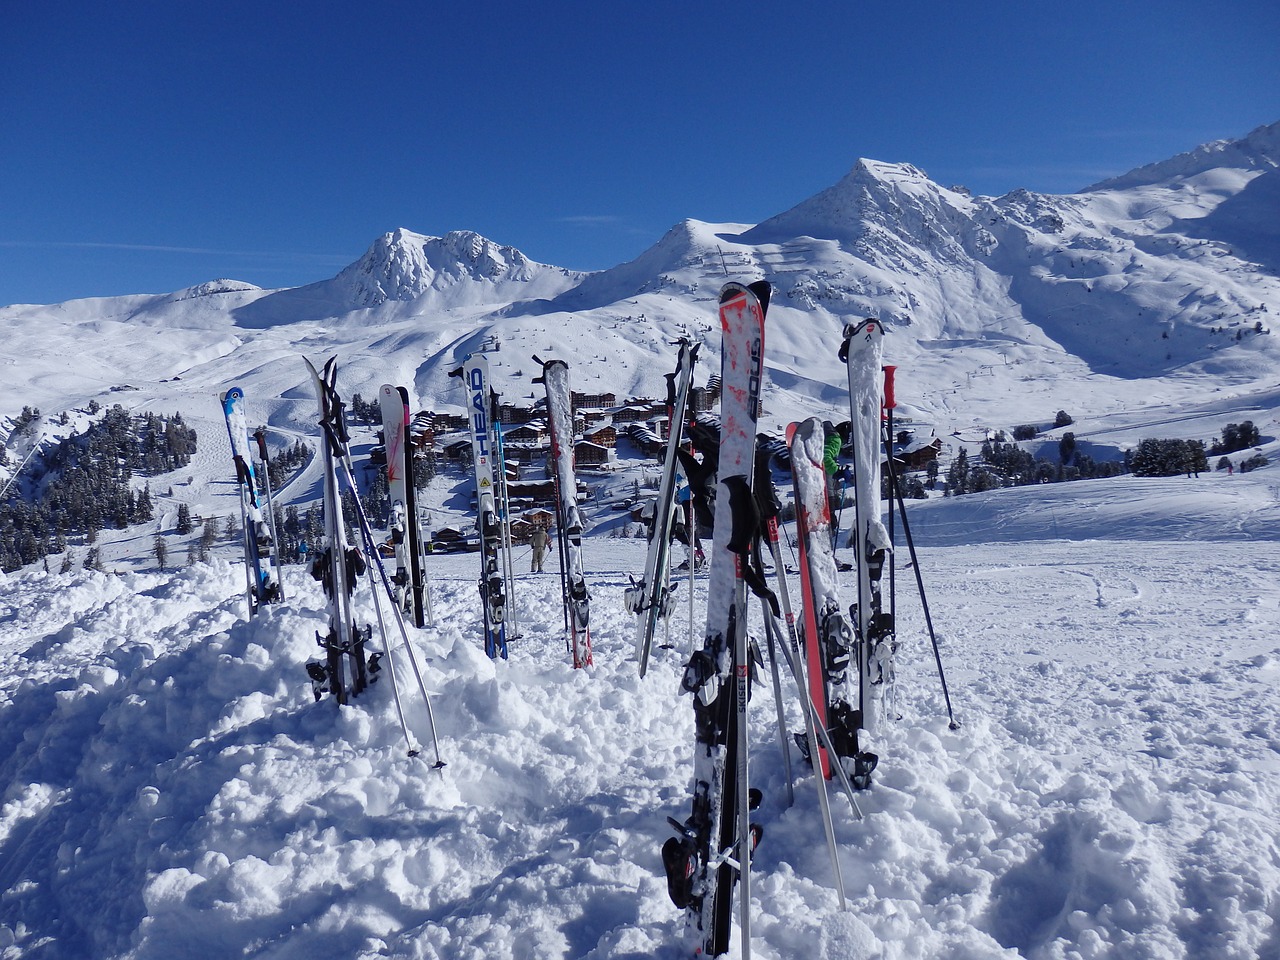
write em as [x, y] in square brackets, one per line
[1007, 465]
[81, 485]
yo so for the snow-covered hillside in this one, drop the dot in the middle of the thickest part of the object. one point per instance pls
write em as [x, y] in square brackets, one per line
[169, 789]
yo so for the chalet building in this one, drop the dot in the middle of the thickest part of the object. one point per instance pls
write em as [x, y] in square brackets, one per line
[713, 388]
[645, 440]
[510, 413]
[605, 436]
[450, 421]
[701, 400]
[588, 454]
[532, 493]
[530, 431]
[525, 453]
[917, 454]
[632, 413]
[600, 400]
[452, 539]
[422, 437]
[542, 518]
[457, 451]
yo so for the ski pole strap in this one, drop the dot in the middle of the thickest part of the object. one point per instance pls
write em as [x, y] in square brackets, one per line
[744, 514]
[767, 503]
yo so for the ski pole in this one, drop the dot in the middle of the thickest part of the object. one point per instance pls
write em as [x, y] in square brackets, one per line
[367, 531]
[924, 602]
[260, 435]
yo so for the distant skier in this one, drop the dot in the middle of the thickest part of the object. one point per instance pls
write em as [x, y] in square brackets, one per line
[538, 540]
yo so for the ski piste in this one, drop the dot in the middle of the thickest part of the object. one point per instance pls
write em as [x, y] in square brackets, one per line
[345, 672]
[405, 531]
[829, 646]
[555, 377]
[650, 598]
[474, 373]
[712, 849]
[873, 626]
[260, 585]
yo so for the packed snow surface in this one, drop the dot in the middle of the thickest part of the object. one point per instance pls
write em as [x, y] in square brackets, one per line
[170, 789]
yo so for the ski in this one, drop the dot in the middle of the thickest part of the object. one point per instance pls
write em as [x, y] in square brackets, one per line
[338, 464]
[260, 585]
[829, 646]
[555, 377]
[260, 437]
[504, 518]
[712, 849]
[474, 373]
[345, 672]
[873, 626]
[406, 538]
[650, 598]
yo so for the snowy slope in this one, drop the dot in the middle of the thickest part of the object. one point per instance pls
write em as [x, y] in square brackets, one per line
[167, 787]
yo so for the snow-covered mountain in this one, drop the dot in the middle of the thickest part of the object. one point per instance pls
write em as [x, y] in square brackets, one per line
[1157, 287]
[459, 268]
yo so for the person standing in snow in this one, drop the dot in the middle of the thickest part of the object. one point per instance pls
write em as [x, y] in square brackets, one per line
[538, 540]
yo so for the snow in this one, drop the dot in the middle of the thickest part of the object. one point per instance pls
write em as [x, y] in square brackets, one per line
[168, 788]
[172, 790]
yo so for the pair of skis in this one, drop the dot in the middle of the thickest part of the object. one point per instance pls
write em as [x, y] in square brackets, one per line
[569, 522]
[490, 523]
[650, 599]
[711, 852]
[349, 667]
[261, 556]
[412, 592]
[849, 660]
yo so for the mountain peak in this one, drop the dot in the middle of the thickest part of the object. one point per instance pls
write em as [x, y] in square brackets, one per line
[869, 192]
[1258, 151]
[403, 265]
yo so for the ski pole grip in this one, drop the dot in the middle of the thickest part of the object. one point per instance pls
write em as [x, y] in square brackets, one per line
[889, 402]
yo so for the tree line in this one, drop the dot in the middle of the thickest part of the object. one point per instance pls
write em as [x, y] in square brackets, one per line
[82, 484]
[1003, 464]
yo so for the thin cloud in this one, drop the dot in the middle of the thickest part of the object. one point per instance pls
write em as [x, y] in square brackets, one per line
[160, 248]
[591, 220]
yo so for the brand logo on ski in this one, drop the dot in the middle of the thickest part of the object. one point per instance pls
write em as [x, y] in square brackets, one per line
[480, 419]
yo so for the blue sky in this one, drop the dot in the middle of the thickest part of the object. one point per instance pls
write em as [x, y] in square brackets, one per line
[148, 146]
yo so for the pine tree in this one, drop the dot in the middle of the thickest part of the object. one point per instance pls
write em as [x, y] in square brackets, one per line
[958, 474]
[161, 551]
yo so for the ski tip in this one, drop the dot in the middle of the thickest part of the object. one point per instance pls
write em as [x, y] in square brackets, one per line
[763, 290]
